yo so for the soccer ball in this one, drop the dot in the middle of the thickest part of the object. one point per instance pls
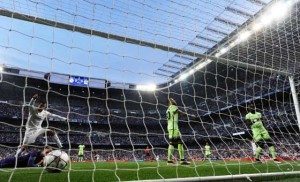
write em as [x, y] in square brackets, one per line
[56, 161]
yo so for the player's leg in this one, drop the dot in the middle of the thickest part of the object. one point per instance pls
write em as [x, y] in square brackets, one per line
[79, 158]
[270, 144]
[257, 137]
[207, 155]
[29, 137]
[258, 150]
[171, 147]
[179, 143]
[52, 134]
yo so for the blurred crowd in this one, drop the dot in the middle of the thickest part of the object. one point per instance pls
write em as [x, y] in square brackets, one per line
[118, 128]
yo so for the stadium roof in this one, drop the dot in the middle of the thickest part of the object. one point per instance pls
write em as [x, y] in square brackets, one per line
[199, 26]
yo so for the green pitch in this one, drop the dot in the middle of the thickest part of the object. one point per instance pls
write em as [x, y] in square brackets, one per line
[109, 171]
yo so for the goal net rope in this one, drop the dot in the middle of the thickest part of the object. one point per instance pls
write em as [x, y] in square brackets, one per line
[110, 68]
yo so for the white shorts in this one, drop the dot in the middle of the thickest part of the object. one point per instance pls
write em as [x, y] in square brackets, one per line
[31, 135]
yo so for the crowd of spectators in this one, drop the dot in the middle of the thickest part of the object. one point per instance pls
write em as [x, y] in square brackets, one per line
[118, 129]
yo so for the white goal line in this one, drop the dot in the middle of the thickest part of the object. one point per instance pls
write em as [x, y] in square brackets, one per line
[225, 177]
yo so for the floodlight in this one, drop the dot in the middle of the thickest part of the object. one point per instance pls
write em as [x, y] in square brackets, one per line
[223, 50]
[244, 36]
[257, 26]
[278, 10]
[203, 64]
[192, 71]
[149, 87]
[183, 76]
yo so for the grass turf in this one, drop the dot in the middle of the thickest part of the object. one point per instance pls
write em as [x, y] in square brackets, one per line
[109, 171]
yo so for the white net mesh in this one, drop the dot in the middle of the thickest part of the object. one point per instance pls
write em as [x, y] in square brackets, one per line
[91, 62]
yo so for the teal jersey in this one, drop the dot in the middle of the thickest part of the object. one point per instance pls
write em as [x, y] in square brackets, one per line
[207, 149]
[172, 117]
[81, 148]
[256, 117]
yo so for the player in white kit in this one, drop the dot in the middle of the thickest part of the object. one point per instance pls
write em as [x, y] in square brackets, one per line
[34, 124]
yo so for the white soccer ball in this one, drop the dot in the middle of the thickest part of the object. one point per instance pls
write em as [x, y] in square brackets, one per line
[56, 161]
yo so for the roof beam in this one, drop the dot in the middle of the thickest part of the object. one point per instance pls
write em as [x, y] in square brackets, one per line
[199, 45]
[172, 66]
[166, 71]
[177, 62]
[160, 74]
[258, 2]
[184, 57]
[216, 31]
[238, 12]
[206, 39]
[227, 22]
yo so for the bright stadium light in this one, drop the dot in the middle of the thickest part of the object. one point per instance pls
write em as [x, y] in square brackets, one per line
[278, 10]
[149, 87]
[203, 64]
[244, 36]
[223, 51]
[183, 76]
[257, 26]
[232, 44]
[192, 71]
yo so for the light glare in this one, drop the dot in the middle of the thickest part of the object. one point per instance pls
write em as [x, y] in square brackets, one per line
[257, 26]
[183, 76]
[223, 50]
[192, 71]
[150, 87]
[278, 10]
[244, 36]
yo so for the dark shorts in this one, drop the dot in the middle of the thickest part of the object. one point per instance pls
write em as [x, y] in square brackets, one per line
[174, 137]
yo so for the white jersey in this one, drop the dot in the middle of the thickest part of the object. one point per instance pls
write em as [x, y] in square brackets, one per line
[98, 158]
[157, 158]
[35, 118]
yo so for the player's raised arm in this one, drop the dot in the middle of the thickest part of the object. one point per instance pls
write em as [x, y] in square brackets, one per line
[194, 117]
[55, 116]
[31, 103]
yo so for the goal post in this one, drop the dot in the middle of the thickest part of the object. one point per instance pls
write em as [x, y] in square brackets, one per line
[295, 99]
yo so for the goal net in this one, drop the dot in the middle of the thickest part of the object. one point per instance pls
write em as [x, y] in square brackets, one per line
[112, 69]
